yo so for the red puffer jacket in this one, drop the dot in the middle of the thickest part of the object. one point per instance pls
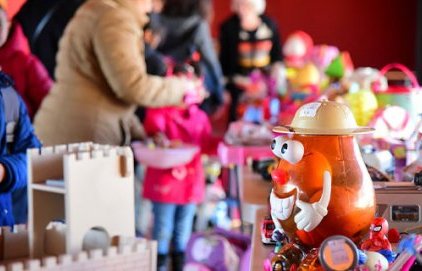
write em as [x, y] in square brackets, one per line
[31, 78]
[183, 184]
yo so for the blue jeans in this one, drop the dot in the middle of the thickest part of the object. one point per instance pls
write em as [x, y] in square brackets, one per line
[172, 224]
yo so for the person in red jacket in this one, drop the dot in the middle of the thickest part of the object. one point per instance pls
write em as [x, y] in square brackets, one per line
[31, 81]
[31, 78]
[175, 192]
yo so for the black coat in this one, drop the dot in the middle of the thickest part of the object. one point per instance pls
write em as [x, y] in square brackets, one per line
[43, 23]
[193, 34]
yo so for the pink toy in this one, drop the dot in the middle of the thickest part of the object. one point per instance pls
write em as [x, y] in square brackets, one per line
[297, 49]
[323, 55]
[188, 70]
[238, 154]
[259, 100]
[391, 125]
[248, 134]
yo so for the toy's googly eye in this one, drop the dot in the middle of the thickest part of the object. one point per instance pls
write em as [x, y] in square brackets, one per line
[276, 146]
[292, 151]
[284, 148]
[289, 150]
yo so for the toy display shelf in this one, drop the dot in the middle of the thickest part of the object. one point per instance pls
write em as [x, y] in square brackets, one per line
[400, 203]
[48, 188]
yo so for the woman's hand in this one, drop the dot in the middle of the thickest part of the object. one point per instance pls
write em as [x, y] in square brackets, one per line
[195, 91]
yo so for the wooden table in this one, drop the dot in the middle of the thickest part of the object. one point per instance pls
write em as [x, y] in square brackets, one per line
[259, 251]
[253, 188]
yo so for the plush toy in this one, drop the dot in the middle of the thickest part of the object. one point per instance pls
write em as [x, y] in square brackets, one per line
[363, 104]
[341, 66]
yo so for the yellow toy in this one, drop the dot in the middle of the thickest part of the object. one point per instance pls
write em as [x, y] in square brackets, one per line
[363, 104]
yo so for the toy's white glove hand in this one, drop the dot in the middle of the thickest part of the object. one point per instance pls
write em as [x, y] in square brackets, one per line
[311, 214]
[281, 208]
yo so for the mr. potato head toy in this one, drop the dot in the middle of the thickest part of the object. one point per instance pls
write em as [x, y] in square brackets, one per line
[321, 186]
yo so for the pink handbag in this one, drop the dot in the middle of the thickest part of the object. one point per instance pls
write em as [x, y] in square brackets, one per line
[408, 97]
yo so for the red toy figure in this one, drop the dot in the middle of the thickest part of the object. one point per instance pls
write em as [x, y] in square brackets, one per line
[267, 229]
[377, 236]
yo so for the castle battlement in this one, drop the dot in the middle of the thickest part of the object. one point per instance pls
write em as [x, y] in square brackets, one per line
[82, 150]
[14, 242]
[129, 254]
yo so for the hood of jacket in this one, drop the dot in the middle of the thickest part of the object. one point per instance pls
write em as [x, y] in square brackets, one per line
[177, 26]
[16, 41]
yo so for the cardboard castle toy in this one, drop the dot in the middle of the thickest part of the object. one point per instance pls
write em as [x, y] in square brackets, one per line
[86, 191]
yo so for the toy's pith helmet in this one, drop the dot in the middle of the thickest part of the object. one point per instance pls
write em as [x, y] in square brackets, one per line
[323, 118]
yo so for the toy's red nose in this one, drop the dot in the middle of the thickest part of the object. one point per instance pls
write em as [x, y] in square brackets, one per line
[280, 176]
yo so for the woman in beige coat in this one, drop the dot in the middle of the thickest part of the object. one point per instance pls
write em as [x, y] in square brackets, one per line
[101, 77]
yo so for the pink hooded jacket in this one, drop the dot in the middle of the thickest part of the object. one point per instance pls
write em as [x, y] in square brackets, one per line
[184, 184]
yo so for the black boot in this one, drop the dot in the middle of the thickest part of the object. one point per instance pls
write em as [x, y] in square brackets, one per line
[178, 261]
[162, 262]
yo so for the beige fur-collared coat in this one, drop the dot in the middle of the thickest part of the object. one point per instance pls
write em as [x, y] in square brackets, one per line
[101, 77]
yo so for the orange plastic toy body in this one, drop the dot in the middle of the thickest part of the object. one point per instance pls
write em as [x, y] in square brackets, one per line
[331, 165]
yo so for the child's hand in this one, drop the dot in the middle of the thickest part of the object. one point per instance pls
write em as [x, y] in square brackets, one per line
[161, 140]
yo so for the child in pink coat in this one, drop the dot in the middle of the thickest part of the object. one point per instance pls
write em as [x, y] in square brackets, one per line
[175, 192]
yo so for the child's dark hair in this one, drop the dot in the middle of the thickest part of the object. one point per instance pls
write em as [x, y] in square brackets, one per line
[154, 26]
[186, 8]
